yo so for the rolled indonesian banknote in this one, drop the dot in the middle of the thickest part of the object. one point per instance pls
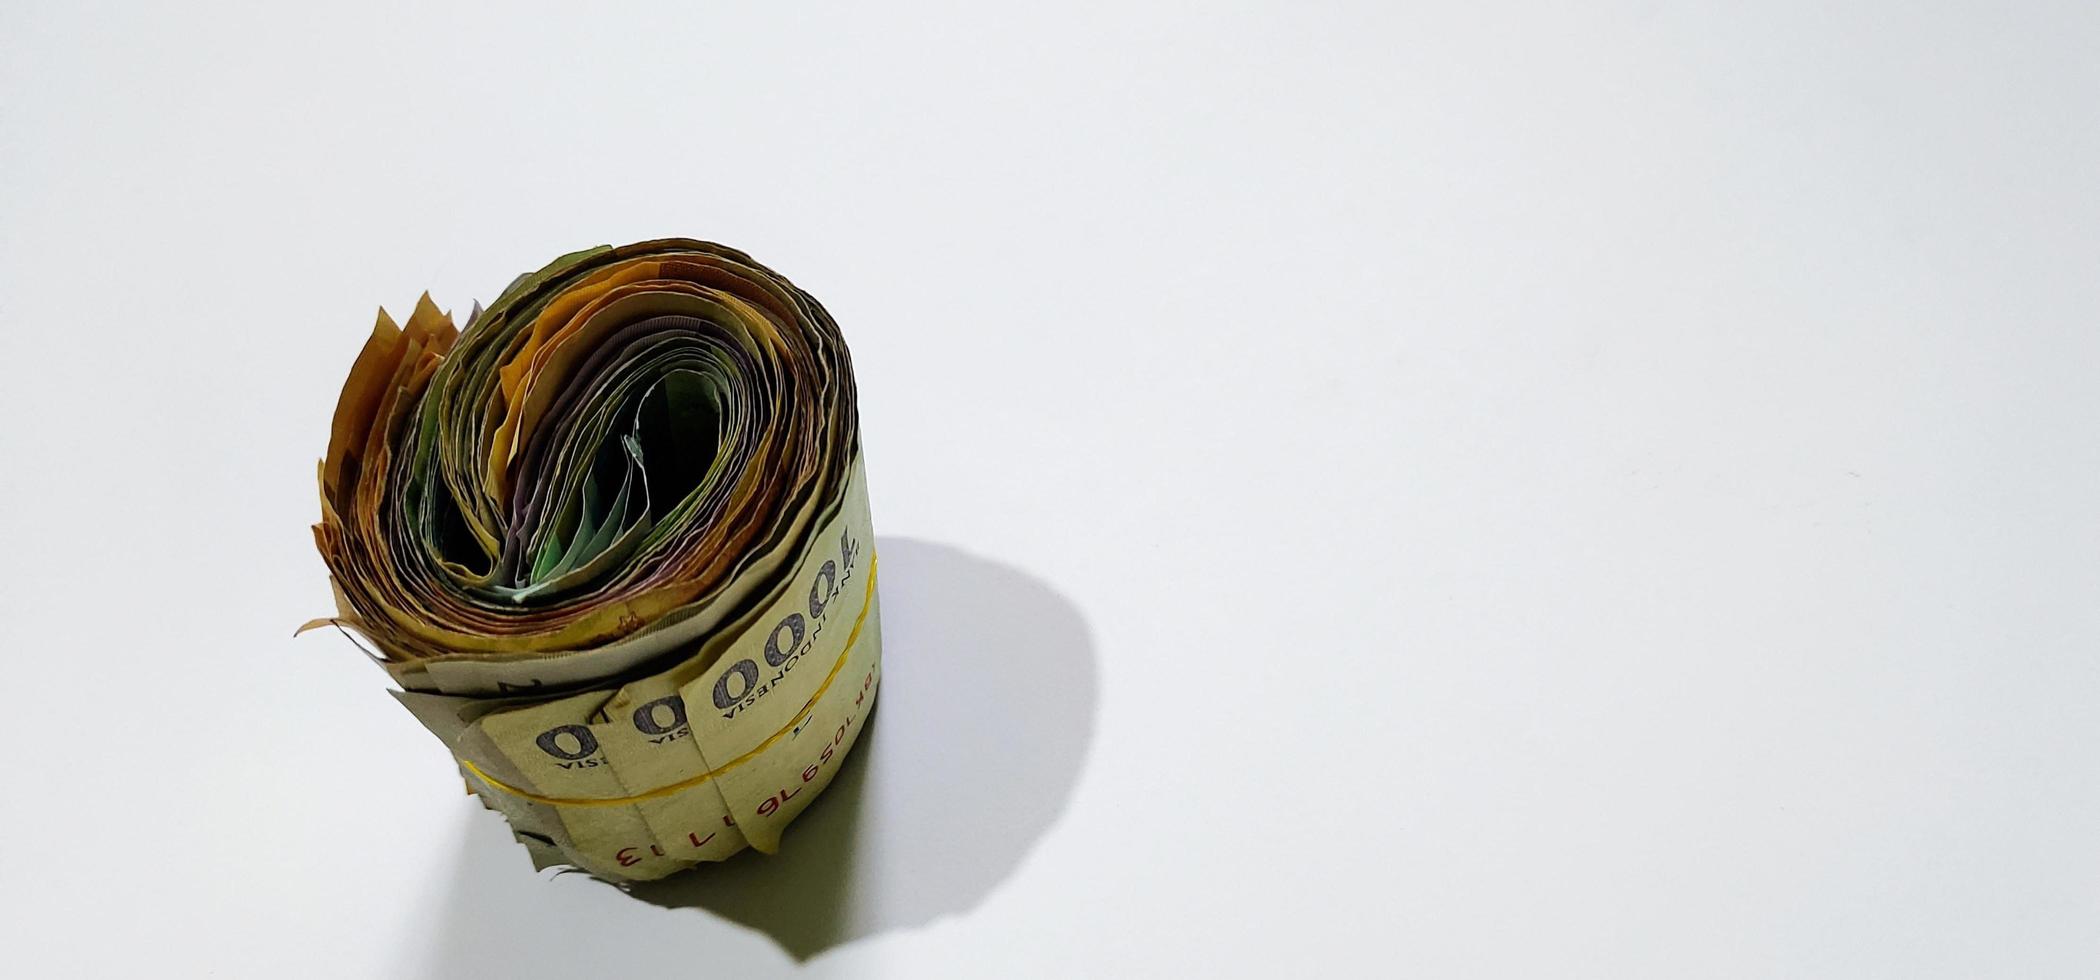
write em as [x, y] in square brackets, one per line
[612, 540]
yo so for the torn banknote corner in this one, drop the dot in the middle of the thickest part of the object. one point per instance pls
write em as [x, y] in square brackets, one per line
[612, 541]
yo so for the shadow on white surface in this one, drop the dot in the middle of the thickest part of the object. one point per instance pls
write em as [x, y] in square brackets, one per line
[982, 725]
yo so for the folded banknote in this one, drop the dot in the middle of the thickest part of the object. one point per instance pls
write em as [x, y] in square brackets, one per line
[612, 541]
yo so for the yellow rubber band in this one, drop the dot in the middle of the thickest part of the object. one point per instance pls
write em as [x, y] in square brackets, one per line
[686, 784]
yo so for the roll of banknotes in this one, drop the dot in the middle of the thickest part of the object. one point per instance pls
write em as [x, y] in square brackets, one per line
[612, 541]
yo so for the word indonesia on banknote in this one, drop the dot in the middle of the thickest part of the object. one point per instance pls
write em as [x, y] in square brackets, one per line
[612, 541]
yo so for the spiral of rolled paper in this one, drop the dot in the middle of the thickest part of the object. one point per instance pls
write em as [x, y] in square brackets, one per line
[632, 485]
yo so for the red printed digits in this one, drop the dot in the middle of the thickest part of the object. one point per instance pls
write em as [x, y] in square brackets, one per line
[775, 801]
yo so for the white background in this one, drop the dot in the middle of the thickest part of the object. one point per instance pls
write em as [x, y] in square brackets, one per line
[1561, 489]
